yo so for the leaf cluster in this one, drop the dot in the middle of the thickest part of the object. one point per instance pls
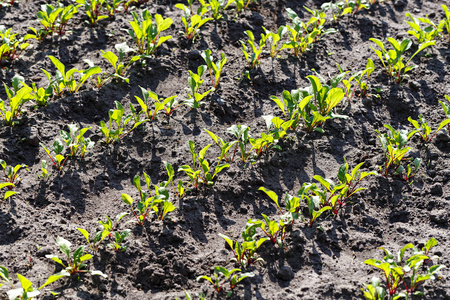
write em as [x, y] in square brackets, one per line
[399, 268]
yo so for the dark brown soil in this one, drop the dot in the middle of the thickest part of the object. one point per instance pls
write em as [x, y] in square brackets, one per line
[164, 259]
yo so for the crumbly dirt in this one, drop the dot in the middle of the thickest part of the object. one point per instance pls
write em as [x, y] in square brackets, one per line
[164, 259]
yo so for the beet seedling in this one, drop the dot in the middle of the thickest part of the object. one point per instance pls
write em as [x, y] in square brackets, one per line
[274, 39]
[214, 68]
[75, 262]
[93, 10]
[147, 33]
[409, 172]
[445, 22]
[245, 253]
[222, 275]
[241, 133]
[119, 240]
[301, 36]
[11, 47]
[167, 105]
[422, 35]
[446, 108]
[76, 141]
[195, 98]
[374, 291]
[116, 116]
[350, 180]
[289, 105]
[26, 291]
[393, 144]
[275, 231]
[41, 95]
[108, 229]
[200, 172]
[399, 269]
[44, 175]
[113, 7]
[191, 22]
[217, 6]
[243, 4]
[58, 160]
[10, 173]
[253, 57]
[158, 203]
[337, 9]
[54, 19]
[393, 60]
[17, 97]
[117, 61]
[316, 107]
[179, 190]
[63, 79]
[48, 17]
[223, 146]
[292, 205]
[424, 130]
[7, 193]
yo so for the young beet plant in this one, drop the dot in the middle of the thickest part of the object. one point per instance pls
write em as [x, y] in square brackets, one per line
[393, 60]
[422, 35]
[359, 78]
[393, 144]
[399, 269]
[446, 108]
[68, 80]
[159, 203]
[44, 174]
[274, 39]
[336, 196]
[445, 23]
[424, 130]
[26, 291]
[147, 33]
[222, 276]
[58, 160]
[108, 230]
[93, 10]
[10, 173]
[75, 263]
[217, 6]
[195, 98]
[11, 47]
[245, 253]
[314, 104]
[215, 70]
[18, 95]
[301, 35]
[253, 57]
[54, 18]
[191, 22]
[115, 129]
[337, 9]
[75, 140]
[167, 105]
[200, 172]
[7, 193]
[117, 62]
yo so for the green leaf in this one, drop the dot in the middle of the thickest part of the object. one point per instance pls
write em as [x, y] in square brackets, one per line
[54, 278]
[127, 199]
[227, 239]
[27, 286]
[64, 245]
[272, 195]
